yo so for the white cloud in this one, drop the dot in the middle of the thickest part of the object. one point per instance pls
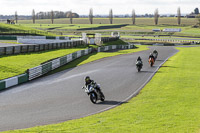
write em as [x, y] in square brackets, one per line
[99, 7]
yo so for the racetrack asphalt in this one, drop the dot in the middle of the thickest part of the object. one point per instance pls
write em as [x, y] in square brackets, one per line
[57, 98]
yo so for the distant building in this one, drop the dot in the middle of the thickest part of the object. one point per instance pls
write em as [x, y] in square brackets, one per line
[172, 30]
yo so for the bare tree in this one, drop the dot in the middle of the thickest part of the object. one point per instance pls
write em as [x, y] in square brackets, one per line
[70, 17]
[33, 16]
[133, 16]
[111, 16]
[91, 16]
[156, 16]
[52, 16]
[16, 17]
[179, 15]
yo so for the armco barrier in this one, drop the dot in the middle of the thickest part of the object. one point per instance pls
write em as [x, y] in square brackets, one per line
[38, 47]
[112, 47]
[44, 68]
[53, 64]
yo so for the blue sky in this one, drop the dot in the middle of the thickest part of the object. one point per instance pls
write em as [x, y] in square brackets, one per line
[25, 7]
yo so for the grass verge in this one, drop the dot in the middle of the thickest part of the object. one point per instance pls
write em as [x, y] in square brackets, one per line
[13, 65]
[168, 103]
[9, 29]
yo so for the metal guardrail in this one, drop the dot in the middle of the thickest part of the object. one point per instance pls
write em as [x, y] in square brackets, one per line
[53, 64]
[38, 47]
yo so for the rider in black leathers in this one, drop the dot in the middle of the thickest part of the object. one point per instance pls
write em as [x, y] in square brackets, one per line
[155, 52]
[89, 82]
[139, 59]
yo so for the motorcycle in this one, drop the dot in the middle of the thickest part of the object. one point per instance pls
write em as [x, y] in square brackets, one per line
[155, 55]
[139, 65]
[95, 94]
[151, 61]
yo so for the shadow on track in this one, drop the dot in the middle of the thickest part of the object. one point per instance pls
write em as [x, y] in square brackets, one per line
[110, 102]
[159, 60]
[104, 27]
[169, 66]
[146, 72]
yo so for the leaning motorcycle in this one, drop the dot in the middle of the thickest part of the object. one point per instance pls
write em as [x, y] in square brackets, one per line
[139, 65]
[151, 61]
[155, 55]
[95, 94]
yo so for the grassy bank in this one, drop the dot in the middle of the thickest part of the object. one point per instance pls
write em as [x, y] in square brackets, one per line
[169, 103]
[9, 29]
[124, 29]
[17, 64]
[144, 21]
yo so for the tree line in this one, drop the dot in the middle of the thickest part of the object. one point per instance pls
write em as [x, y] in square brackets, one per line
[56, 14]
[59, 14]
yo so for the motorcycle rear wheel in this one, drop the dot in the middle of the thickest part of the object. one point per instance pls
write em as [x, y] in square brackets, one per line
[102, 97]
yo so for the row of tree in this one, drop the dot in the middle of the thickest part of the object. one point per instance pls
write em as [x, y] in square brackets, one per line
[53, 15]
[156, 16]
[58, 14]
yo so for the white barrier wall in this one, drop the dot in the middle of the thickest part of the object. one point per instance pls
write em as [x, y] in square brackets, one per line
[11, 82]
[55, 63]
[79, 54]
[69, 58]
[31, 37]
[41, 41]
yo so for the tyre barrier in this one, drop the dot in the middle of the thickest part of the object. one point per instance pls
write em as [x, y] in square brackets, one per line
[48, 66]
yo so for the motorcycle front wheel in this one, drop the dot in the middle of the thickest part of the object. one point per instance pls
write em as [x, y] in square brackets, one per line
[93, 97]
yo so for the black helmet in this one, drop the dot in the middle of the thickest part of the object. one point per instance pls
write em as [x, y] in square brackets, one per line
[87, 78]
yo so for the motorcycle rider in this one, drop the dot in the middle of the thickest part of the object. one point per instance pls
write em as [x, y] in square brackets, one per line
[151, 56]
[139, 59]
[155, 52]
[89, 82]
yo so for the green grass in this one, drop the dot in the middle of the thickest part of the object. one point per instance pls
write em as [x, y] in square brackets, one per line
[143, 26]
[17, 64]
[100, 21]
[19, 29]
[168, 103]
[124, 25]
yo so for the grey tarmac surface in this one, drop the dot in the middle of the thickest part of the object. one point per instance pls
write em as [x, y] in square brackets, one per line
[59, 97]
